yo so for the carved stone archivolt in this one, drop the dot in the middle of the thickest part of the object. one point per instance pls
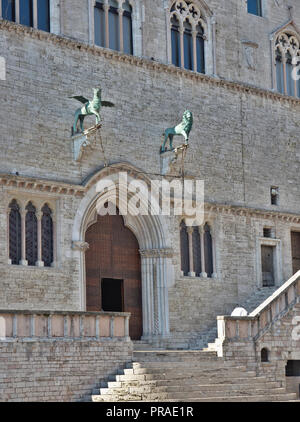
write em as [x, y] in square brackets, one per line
[288, 44]
[186, 10]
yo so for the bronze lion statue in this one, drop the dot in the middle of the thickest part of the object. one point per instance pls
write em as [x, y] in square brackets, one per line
[183, 129]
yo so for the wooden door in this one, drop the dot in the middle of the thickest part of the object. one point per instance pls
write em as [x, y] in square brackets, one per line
[295, 238]
[267, 263]
[113, 255]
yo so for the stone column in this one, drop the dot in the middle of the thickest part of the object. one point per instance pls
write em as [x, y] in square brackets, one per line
[35, 14]
[39, 216]
[17, 10]
[23, 237]
[213, 246]
[54, 230]
[91, 5]
[214, 45]
[80, 246]
[190, 231]
[154, 271]
[181, 32]
[7, 228]
[203, 273]
[284, 74]
[194, 35]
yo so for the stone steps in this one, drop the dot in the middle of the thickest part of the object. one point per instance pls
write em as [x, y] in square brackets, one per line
[207, 382]
[173, 355]
[265, 398]
[184, 398]
[198, 390]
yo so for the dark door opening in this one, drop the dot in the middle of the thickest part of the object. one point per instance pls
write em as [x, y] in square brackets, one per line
[295, 238]
[112, 294]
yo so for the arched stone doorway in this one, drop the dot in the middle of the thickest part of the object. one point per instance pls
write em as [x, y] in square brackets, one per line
[113, 271]
[152, 234]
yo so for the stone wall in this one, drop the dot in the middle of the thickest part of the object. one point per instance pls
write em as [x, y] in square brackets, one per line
[58, 370]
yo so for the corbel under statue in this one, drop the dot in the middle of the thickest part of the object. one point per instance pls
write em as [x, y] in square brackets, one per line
[169, 157]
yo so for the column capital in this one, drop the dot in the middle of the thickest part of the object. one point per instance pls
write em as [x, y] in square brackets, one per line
[190, 229]
[156, 253]
[80, 245]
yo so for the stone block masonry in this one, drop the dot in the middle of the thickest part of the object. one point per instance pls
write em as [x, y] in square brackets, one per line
[58, 370]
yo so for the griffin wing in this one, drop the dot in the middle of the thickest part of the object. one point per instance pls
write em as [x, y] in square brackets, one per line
[107, 104]
[80, 98]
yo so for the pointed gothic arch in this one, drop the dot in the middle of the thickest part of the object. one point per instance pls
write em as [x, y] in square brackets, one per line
[154, 246]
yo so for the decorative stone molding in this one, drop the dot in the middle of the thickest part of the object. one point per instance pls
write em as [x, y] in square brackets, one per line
[80, 246]
[47, 186]
[142, 62]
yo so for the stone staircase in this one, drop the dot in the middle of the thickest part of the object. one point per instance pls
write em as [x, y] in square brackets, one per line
[198, 341]
[188, 376]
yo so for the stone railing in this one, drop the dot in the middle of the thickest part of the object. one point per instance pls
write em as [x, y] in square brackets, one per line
[250, 328]
[63, 325]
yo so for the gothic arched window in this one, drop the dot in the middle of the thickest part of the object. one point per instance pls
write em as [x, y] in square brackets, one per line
[113, 25]
[26, 11]
[15, 236]
[197, 256]
[287, 60]
[31, 235]
[47, 236]
[187, 36]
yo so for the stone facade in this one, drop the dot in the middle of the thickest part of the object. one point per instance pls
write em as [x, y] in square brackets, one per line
[244, 141]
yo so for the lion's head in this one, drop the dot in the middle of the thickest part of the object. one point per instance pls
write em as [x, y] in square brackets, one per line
[187, 120]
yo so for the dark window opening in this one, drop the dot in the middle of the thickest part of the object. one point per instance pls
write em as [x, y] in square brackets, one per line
[175, 40]
[26, 12]
[264, 355]
[47, 236]
[197, 252]
[188, 46]
[8, 10]
[267, 264]
[274, 195]
[184, 246]
[14, 233]
[31, 235]
[255, 7]
[200, 50]
[43, 11]
[112, 295]
[292, 368]
[208, 251]
[267, 232]
[99, 16]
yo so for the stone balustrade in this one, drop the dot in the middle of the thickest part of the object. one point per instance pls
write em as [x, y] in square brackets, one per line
[246, 328]
[63, 325]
